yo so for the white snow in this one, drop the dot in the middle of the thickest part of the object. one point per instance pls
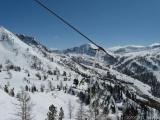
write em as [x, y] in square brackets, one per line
[15, 52]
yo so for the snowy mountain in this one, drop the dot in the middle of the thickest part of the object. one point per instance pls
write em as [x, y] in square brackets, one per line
[23, 65]
[83, 49]
[133, 48]
[139, 62]
[142, 63]
[73, 79]
[127, 49]
[90, 50]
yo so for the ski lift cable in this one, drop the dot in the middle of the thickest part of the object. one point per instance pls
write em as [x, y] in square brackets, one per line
[68, 24]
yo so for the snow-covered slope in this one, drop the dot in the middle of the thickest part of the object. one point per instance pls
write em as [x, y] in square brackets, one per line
[26, 62]
[142, 63]
[7, 106]
[23, 64]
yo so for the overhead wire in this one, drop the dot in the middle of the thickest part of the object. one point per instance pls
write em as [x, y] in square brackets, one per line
[74, 28]
[68, 24]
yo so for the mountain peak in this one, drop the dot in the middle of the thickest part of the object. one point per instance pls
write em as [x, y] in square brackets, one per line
[88, 49]
[4, 30]
[1, 27]
[5, 34]
[10, 41]
[92, 46]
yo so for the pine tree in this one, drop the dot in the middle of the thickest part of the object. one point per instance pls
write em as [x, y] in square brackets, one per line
[28, 75]
[61, 114]
[52, 114]
[12, 92]
[26, 87]
[42, 87]
[76, 82]
[64, 73]
[6, 89]
[34, 89]
[50, 85]
[24, 106]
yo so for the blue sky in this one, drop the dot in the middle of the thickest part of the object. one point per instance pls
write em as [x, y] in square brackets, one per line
[108, 22]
